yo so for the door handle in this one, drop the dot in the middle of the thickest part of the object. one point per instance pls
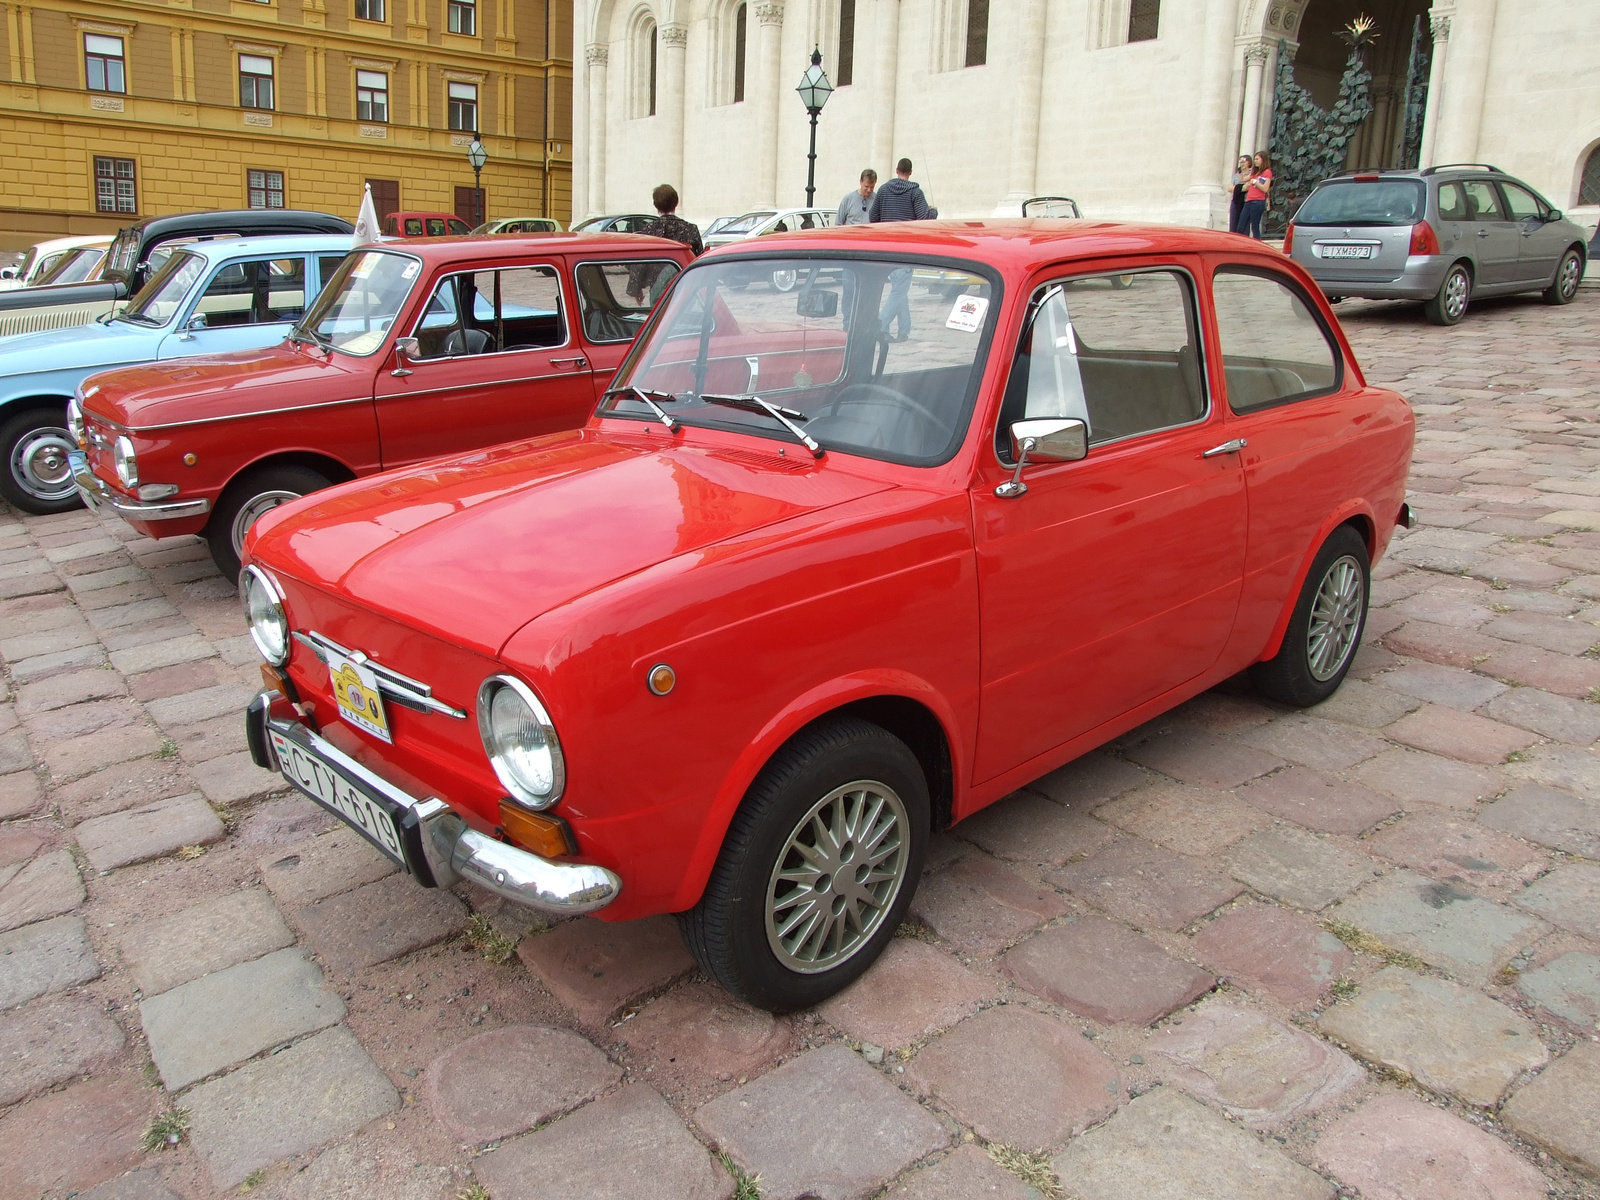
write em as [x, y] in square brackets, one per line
[1483, 233]
[577, 361]
[1229, 447]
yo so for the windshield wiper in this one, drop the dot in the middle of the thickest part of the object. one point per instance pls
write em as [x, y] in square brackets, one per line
[301, 332]
[648, 400]
[754, 403]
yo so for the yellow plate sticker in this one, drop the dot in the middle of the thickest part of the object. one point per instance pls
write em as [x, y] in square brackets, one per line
[356, 690]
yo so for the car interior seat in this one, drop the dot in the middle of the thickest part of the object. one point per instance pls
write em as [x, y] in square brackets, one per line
[465, 341]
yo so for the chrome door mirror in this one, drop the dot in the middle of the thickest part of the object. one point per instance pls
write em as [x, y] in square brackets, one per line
[198, 321]
[405, 352]
[1043, 439]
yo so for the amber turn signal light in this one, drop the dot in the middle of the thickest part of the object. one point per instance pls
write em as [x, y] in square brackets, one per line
[538, 833]
[277, 679]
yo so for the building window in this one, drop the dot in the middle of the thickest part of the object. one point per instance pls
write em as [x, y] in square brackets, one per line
[372, 96]
[114, 185]
[741, 24]
[370, 10]
[977, 33]
[103, 66]
[845, 64]
[464, 17]
[464, 107]
[654, 41]
[265, 188]
[1144, 17]
[255, 81]
[1589, 189]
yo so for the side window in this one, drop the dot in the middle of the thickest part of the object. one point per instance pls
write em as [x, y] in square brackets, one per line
[459, 227]
[1522, 204]
[486, 312]
[413, 227]
[616, 297]
[1117, 352]
[327, 264]
[1483, 202]
[1274, 348]
[436, 227]
[1452, 204]
[254, 293]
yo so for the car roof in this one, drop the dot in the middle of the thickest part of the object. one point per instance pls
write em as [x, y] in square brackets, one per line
[279, 243]
[242, 219]
[445, 249]
[72, 243]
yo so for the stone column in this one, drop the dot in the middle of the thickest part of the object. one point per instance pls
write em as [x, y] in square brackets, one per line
[1027, 80]
[1205, 202]
[886, 78]
[1440, 25]
[1467, 76]
[674, 42]
[597, 56]
[769, 14]
[1255, 65]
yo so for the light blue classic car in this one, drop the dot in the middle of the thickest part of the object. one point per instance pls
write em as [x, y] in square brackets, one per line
[207, 298]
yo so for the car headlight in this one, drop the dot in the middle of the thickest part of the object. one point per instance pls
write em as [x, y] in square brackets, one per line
[520, 741]
[263, 609]
[75, 423]
[125, 462]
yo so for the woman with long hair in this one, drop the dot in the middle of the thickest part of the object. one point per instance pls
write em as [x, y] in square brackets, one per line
[1241, 173]
[1256, 192]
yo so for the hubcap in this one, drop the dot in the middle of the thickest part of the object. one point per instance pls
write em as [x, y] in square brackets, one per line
[252, 512]
[1569, 275]
[783, 280]
[1335, 619]
[837, 877]
[39, 463]
[1455, 294]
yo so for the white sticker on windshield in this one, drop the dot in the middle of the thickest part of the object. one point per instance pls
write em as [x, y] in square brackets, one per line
[967, 315]
[364, 266]
[411, 270]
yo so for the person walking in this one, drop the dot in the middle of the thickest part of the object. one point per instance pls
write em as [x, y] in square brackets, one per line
[854, 207]
[1241, 176]
[899, 200]
[1257, 192]
[668, 223]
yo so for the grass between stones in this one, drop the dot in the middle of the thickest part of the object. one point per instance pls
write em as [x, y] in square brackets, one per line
[474, 1191]
[745, 1187]
[1363, 942]
[495, 946]
[165, 1130]
[1032, 1167]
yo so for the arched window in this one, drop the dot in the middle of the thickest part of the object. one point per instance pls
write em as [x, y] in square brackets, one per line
[740, 27]
[643, 67]
[977, 33]
[845, 61]
[1589, 187]
[654, 40]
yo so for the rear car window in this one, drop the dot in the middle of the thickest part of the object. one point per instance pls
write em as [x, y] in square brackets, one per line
[1365, 202]
[616, 297]
[1274, 348]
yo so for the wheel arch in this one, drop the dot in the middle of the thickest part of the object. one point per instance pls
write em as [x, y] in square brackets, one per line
[1359, 517]
[12, 405]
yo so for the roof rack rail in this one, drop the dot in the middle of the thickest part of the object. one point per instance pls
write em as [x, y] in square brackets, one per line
[1434, 170]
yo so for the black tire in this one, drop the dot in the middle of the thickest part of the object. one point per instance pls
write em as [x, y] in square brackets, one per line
[36, 478]
[250, 492]
[1569, 272]
[1449, 303]
[727, 932]
[1294, 676]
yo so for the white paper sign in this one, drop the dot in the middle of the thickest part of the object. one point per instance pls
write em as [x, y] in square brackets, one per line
[967, 315]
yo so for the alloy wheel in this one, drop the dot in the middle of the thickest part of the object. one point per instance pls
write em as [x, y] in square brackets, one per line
[253, 510]
[1571, 272]
[1335, 619]
[1455, 294]
[39, 463]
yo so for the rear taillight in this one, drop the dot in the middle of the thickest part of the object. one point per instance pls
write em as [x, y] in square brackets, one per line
[1288, 239]
[1423, 239]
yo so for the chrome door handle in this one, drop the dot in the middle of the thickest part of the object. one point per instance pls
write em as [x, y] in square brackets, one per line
[579, 361]
[1483, 233]
[1229, 447]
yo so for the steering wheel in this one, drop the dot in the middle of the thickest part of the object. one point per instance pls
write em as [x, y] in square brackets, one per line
[871, 391]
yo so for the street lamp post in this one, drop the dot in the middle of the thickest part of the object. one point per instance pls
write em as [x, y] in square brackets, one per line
[477, 156]
[814, 91]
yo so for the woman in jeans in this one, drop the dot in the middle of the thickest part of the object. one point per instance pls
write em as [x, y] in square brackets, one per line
[1255, 196]
[1241, 175]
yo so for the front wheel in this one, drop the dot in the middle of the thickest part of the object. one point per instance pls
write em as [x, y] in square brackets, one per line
[817, 869]
[1565, 285]
[1325, 628]
[784, 281]
[243, 504]
[1449, 303]
[38, 478]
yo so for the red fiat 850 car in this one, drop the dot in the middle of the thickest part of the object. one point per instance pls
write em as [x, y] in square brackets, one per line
[828, 570]
[413, 350]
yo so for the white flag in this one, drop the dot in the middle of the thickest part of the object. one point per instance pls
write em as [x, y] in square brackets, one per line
[367, 219]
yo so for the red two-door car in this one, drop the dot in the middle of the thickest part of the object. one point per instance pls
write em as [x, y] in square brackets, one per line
[414, 349]
[829, 570]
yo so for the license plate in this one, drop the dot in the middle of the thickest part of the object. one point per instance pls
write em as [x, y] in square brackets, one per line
[1347, 252]
[355, 688]
[343, 797]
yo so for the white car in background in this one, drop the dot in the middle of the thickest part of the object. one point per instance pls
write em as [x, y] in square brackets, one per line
[78, 256]
[762, 221]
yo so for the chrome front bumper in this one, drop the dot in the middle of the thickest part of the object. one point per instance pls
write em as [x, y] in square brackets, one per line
[437, 846]
[98, 494]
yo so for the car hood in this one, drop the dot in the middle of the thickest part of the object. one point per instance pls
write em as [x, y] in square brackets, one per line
[472, 548]
[81, 347]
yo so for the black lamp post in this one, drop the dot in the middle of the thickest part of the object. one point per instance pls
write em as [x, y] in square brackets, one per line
[814, 91]
[477, 156]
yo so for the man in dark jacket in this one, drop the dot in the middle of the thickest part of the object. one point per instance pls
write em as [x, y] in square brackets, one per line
[899, 200]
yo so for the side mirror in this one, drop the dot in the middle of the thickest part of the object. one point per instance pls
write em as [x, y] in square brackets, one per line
[405, 349]
[8, 272]
[817, 304]
[197, 321]
[1555, 214]
[1044, 439]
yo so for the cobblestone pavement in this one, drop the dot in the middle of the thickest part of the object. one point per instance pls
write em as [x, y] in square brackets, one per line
[1242, 952]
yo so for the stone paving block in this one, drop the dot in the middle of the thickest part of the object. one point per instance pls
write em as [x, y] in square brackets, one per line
[1284, 954]
[1530, 667]
[120, 786]
[1297, 867]
[1442, 644]
[30, 585]
[84, 755]
[1102, 970]
[1551, 633]
[1569, 897]
[1444, 925]
[1203, 759]
[1450, 686]
[1025, 827]
[1568, 986]
[629, 1145]
[1146, 886]
[700, 1031]
[1445, 606]
[143, 613]
[1560, 1110]
[1568, 767]
[234, 777]
[1414, 778]
[79, 719]
[20, 794]
[288, 1103]
[94, 581]
[979, 906]
[1558, 717]
[1458, 850]
[189, 707]
[69, 635]
[912, 991]
[824, 1125]
[322, 866]
[1549, 816]
[136, 1185]
[363, 1168]
[505, 1082]
[597, 968]
[47, 887]
[44, 957]
[1165, 1146]
[46, 1044]
[175, 680]
[137, 659]
[1395, 1147]
[211, 740]
[1365, 705]
[1262, 1071]
[1086, 783]
[150, 831]
[380, 921]
[1315, 743]
[1452, 1040]
[58, 691]
[1197, 821]
[159, 630]
[19, 843]
[1223, 712]
[1459, 735]
[14, 752]
[49, 666]
[216, 933]
[966, 1173]
[1018, 1077]
[1306, 798]
[70, 1140]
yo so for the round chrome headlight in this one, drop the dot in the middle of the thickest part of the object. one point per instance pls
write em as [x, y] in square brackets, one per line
[520, 741]
[124, 460]
[263, 608]
[75, 423]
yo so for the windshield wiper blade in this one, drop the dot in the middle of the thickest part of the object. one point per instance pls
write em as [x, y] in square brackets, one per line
[301, 332]
[754, 403]
[648, 401]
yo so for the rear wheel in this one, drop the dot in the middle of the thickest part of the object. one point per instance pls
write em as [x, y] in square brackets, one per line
[38, 478]
[1325, 629]
[783, 281]
[244, 502]
[1565, 285]
[1449, 304]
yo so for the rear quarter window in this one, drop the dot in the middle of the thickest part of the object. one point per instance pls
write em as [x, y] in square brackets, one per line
[1275, 349]
[1371, 202]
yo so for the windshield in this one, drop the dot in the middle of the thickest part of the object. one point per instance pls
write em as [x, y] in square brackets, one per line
[361, 301]
[160, 299]
[74, 267]
[124, 250]
[876, 358]
[747, 222]
[1365, 202]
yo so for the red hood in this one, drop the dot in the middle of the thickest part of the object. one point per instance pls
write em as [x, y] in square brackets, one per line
[475, 547]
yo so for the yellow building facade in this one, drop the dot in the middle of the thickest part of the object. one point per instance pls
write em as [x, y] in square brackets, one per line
[115, 110]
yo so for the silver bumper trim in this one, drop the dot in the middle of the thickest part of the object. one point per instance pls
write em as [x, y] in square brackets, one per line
[97, 494]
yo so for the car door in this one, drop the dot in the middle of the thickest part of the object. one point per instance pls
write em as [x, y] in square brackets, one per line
[615, 297]
[1115, 578]
[243, 305]
[496, 360]
[1497, 239]
[1541, 241]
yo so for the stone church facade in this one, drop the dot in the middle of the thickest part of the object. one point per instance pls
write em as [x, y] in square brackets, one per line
[1135, 108]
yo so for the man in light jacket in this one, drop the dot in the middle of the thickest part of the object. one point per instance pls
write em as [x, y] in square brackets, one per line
[853, 208]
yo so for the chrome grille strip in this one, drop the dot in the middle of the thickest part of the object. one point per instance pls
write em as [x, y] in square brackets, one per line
[402, 689]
